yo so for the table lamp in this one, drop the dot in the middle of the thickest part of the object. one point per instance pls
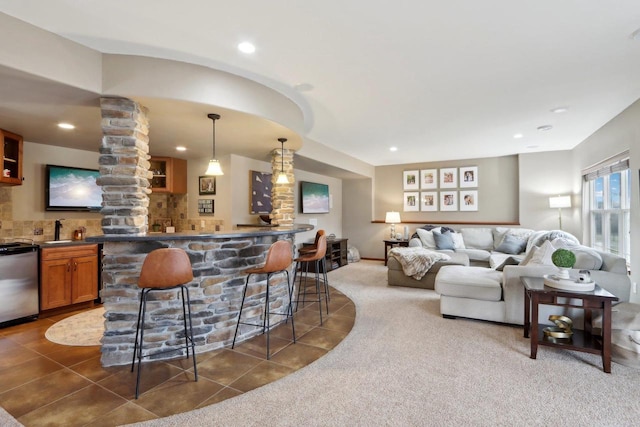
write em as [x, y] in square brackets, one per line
[560, 202]
[392, 218]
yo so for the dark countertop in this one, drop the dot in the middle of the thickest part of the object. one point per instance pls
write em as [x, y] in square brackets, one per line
[195, 235]
[63, 242]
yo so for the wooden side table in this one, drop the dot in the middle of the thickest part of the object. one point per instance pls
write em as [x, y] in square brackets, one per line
[536, 293]
[390, 243]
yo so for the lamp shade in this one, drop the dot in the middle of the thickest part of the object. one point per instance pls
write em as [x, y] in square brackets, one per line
[214, 168]
[392, 218]
[560, 202]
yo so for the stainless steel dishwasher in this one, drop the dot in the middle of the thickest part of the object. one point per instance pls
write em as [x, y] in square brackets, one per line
[18, 282]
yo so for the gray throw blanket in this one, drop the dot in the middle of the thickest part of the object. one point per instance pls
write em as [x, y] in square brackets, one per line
[417, 261]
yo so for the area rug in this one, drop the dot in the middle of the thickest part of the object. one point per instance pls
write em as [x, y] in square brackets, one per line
[83, 329]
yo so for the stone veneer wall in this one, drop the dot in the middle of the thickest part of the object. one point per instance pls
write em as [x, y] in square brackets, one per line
[216, 294]
[124, 167]
[282, 199]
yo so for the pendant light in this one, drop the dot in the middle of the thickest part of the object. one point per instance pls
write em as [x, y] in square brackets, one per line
[214, 165]
[282, 177]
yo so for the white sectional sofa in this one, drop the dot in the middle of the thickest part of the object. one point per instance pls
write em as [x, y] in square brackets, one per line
[490, 287]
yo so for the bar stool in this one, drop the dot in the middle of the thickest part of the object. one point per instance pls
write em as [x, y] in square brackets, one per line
[162, 270]
[302, 264]
[277, 261]
[314, 247]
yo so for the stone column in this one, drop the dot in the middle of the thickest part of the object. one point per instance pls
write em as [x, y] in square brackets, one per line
[283, 210]
[124, 167]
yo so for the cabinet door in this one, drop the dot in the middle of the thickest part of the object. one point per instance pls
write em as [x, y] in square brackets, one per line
[84, 279]
[55, 288]
[11, 156]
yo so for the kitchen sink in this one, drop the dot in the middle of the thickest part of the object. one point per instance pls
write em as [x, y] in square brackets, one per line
[48, 242]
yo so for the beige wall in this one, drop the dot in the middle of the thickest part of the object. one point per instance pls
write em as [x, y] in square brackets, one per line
[620, 134]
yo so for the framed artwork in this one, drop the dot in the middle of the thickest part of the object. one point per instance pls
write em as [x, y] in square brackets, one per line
[205, 206]
[410, 180]
[469, 177]
[411, 202]
[449, 178]
[207, 185]
[428, 179]
[429, 201]
[448, 200]
[259, 192]
[469, 200]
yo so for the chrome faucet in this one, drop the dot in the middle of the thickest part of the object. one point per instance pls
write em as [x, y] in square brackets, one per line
[58, 226]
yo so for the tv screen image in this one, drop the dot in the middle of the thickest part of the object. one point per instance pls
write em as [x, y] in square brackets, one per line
[71, 189]
[314, 197]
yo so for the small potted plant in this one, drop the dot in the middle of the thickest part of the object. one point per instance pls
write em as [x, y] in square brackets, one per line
[564, 259]
[156, 227]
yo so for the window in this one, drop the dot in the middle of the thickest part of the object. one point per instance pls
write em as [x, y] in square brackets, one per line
[608, 204]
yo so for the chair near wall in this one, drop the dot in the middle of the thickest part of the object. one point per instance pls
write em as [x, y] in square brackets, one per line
[278, 260]
[312, 248]
[163, 270]
[317, 259]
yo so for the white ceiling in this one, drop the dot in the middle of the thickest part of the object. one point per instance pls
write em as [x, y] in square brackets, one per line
[439, 80]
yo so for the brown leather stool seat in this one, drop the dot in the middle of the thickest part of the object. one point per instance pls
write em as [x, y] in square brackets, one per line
[278, 260]
[163, 270]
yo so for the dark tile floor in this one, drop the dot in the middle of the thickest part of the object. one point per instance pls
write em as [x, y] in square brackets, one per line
[42, 383]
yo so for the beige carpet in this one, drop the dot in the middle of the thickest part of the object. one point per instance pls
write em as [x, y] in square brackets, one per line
[404, 365]
[82, 329]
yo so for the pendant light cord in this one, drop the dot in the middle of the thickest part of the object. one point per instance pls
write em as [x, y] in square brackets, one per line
[214, 117]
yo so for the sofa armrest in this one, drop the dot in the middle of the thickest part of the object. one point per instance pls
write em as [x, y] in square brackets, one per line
[415, 243]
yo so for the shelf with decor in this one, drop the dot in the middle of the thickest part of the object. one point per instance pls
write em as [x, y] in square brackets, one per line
[169, 175]
[11, 154]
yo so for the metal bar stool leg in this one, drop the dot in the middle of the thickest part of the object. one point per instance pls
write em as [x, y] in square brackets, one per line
[244, 295]
[184, 290]
[135, 345]
[145, 292]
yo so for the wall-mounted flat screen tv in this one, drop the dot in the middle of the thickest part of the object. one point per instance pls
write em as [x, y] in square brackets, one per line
[314, 198]
[72, 189]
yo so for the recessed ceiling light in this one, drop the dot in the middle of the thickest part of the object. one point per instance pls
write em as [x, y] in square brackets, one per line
[393, 148]
[181, 148]
[560, 110]
[517, 135]
[303, 87]
[66, 126]
[545, 128]
[246, 47]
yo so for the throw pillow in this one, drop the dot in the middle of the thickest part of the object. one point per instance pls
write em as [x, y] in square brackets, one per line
[443, 240]
[530, 254]
[426, 237]
[478, 238]
[543, 254]
[511, 245]
[458, 241]
[509, 261]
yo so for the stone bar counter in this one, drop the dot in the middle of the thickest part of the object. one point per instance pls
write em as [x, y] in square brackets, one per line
[218, 259]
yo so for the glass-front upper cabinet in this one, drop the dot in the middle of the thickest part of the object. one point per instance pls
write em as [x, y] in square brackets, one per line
[11, 151]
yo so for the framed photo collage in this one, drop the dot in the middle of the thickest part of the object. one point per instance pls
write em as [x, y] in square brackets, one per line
[444, 189]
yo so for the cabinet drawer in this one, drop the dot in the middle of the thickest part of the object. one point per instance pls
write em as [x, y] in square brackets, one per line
[71, 251]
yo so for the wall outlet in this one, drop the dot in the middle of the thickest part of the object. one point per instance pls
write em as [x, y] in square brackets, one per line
[313, 221]
[202, 223]
[634, 288]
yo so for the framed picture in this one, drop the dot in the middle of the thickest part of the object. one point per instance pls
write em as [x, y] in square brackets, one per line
[429, 201]
[314, 198]
[448, 200]
[411, 180]
[411, 202]
[469, 200]
[259, 192]
[207, 185]
[469, 177]
[428, 179]
[205, 206]
[449, 178]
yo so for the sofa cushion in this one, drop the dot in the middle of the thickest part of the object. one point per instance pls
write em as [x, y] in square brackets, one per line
[458, 240]
[469, 282]
[511, 244]
[476, 254]
[443, 240]
[478, 238]
[520, 233]
[499, 259]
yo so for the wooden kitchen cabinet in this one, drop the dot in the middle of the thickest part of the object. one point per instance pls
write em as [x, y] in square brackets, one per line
[69, 275]
[11, 155]
[169, 175]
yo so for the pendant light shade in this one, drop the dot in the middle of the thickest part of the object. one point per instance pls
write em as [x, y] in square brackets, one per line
[282, 177]
[214, 168]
